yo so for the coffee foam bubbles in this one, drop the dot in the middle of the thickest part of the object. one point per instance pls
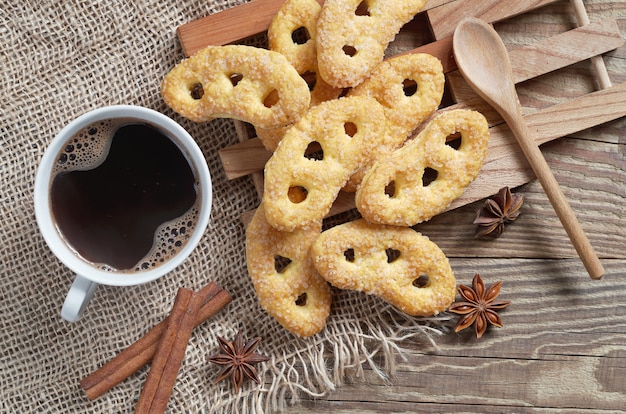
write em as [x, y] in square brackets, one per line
[89, 148]
[169, 239]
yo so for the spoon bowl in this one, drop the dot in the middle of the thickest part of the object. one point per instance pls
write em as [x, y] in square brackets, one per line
[484, 62]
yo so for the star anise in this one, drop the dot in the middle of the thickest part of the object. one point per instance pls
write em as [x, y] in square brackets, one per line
[237, 359]
[501, 209]
[481, 306]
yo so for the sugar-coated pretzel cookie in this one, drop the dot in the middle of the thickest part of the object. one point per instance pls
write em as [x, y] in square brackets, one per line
[300, 188]
[295, 295]
[394, 190]
[410, 88]
[352, 36]
[292, 33]
[397, 264]
[251, 84]
[270, 137]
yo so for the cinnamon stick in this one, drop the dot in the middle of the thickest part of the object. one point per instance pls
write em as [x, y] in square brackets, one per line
[129, 361]
[170, 353]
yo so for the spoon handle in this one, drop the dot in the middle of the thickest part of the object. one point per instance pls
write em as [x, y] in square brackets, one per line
[555, 194]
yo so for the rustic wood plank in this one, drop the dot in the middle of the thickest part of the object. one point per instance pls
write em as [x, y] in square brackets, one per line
[227, 26]
[544, 91]
[445, 18]
[587, 172]
[562, 50]
[327, 406]
[551, 54]
[503, 167]
[557, 51]
[602, 75]
[561, 350]
[243, 130]
[245, 158]
[547, 124]
[597, 107]
[236, 23]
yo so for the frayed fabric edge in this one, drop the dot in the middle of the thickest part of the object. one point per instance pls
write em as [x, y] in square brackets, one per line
[344, 349]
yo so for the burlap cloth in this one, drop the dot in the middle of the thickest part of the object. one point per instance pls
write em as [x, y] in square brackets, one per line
[60, 59]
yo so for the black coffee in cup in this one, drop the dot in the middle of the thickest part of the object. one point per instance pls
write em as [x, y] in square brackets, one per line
[124, 196]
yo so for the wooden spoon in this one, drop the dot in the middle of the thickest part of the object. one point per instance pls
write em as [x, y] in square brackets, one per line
[484, 62]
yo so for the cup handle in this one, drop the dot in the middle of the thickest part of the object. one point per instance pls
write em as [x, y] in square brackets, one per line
[77, 298]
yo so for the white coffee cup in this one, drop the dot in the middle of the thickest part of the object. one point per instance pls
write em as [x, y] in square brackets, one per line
[89, 275]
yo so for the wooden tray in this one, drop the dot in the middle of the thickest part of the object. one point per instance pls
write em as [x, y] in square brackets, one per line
[505, 165]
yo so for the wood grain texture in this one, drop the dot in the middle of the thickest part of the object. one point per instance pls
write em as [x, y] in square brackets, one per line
[475, 44]
[563, 345]
[528, 62]
[550, 54]
[236, 23]
[504, 164]
[561, 350]
[245, 20]
[444, 19]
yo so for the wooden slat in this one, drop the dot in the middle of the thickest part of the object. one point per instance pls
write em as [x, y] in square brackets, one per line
[227, 26]
[598, 108]
[528, 62]
[560, 351]
[444, 19]
[545, 56]
[238, 23]
[591, 174]
[562, 50]
[547, 124]
[599, 67]
[244, 158]
[505, 164]
[551, 54]
[441, 49]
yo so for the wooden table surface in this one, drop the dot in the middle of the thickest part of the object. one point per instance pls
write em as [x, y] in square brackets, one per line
[563, 345]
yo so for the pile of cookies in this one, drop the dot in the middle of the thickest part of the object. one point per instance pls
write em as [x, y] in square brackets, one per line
[338, 117]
